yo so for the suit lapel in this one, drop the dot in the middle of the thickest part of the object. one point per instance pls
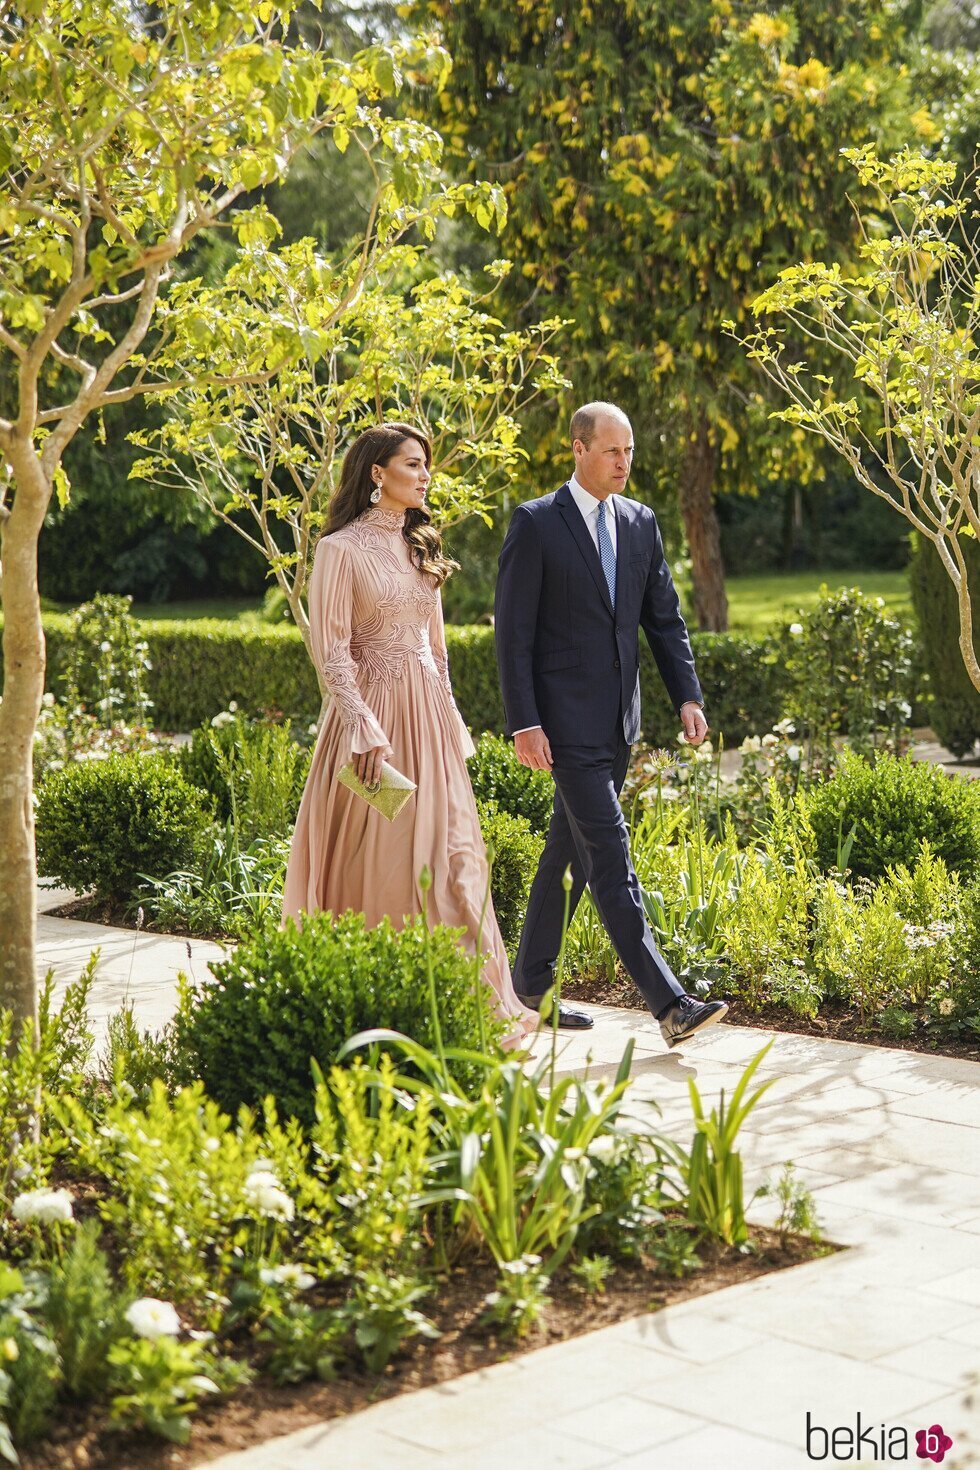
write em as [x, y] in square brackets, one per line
[572, 517]
[624, 530]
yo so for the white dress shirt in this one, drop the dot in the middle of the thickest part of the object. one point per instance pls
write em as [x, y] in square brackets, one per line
[588, 505]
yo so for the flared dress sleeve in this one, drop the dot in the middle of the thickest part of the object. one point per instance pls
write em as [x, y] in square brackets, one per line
[331, 603]
[437, 642]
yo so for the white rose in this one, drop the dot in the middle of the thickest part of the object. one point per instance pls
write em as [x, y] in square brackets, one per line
[794, 752]
[151, 1318]
[295, 1276]
[50, 1206]
[751, 745]
[796, 629]
[768, 741]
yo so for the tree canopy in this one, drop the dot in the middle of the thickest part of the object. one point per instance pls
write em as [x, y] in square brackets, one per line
[659, 161]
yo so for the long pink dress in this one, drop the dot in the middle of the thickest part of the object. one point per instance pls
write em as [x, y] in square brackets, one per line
[378, 638]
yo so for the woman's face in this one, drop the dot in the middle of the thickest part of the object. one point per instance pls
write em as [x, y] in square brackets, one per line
[404, 478]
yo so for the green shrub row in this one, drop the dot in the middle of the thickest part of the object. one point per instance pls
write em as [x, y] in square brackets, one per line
[199, 667]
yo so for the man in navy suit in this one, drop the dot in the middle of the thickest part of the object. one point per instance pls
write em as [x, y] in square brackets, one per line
[580, 572]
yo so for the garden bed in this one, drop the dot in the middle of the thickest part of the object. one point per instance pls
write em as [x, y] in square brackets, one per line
[834, 1023]
[83, 1442]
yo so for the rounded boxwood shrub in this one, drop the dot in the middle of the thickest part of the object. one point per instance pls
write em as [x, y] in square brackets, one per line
[291, 994]
[895, 803]
[101, 823]
[498, 776]
[516, 850]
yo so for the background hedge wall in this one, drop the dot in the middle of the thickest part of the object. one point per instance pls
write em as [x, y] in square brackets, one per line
[199, 667]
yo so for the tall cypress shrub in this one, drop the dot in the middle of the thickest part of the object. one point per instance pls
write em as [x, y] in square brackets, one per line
[955, 711]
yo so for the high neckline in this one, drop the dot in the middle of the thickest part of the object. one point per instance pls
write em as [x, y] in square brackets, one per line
[387, 520]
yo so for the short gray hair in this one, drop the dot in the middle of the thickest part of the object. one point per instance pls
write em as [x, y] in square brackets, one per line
[584, 420]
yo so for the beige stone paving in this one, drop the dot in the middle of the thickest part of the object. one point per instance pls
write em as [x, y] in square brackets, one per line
[889, 1142]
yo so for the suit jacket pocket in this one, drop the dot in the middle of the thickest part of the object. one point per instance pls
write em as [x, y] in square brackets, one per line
[557, 658]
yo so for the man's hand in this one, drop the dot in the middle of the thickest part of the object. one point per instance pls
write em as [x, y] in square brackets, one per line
[533, 749]
[367, 766]
[694, 722]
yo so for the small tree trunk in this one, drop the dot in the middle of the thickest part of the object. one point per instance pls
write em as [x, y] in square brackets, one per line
[701, 526]
[23, 685]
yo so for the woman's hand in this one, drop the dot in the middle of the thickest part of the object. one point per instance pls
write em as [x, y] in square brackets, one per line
[367, 766]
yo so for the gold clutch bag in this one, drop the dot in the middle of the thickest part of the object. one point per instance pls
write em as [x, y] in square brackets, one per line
[387, 796]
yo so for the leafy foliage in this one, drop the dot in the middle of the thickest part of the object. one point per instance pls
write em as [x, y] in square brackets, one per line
[657, 160]
[290, 995]
[900, 327]
[101, 825]
[496, 775]
[515, 851]
[893, 804]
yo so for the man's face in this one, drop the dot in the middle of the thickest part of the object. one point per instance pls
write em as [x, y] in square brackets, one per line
[604, 467]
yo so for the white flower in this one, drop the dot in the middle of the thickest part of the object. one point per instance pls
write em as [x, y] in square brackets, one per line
[264, 1193]
[905, 710]
[105, 646]
[200, 1383]
[311, 729]
[294, 1276]
[796, 629]
[211, 1145]
[946, 1006]
[50, 1206]
[681, 738]
[768, 741]
[263, 1166]
[47, 700]
[794, 752]
[785, 727]
[751, 745]
[522, 1266]
[605, 1146]
[151, 1318]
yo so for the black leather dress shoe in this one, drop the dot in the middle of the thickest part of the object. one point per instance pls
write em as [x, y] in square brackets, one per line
[569, 1018]
[688, 1016]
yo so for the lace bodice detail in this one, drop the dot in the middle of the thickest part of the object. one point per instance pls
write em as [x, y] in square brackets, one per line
[374, 616]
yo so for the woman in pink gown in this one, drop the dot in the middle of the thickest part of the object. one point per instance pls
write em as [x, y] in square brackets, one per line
[377, 633]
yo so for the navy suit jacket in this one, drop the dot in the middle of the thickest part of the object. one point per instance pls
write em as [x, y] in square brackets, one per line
[567, 662]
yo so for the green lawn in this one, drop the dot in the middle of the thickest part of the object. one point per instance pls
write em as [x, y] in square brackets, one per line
[756, 603]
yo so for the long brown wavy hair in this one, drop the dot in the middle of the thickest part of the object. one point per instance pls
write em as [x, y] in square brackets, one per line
[353, 496]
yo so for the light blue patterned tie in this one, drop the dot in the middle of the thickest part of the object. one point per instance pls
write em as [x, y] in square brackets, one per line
[606, 554]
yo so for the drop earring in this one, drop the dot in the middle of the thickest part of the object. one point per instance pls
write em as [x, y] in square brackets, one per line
[375, 493]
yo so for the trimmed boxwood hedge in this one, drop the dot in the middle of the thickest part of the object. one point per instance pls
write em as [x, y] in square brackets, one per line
[199, 666]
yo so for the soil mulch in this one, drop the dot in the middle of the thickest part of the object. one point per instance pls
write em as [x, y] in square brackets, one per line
[81, 1441]
[120, 916]
[834, 1023]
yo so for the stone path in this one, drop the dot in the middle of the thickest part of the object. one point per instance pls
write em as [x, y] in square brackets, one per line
[889, 1141]
[133, 966]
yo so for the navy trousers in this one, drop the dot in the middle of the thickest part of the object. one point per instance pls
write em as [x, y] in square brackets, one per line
[589, 832]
